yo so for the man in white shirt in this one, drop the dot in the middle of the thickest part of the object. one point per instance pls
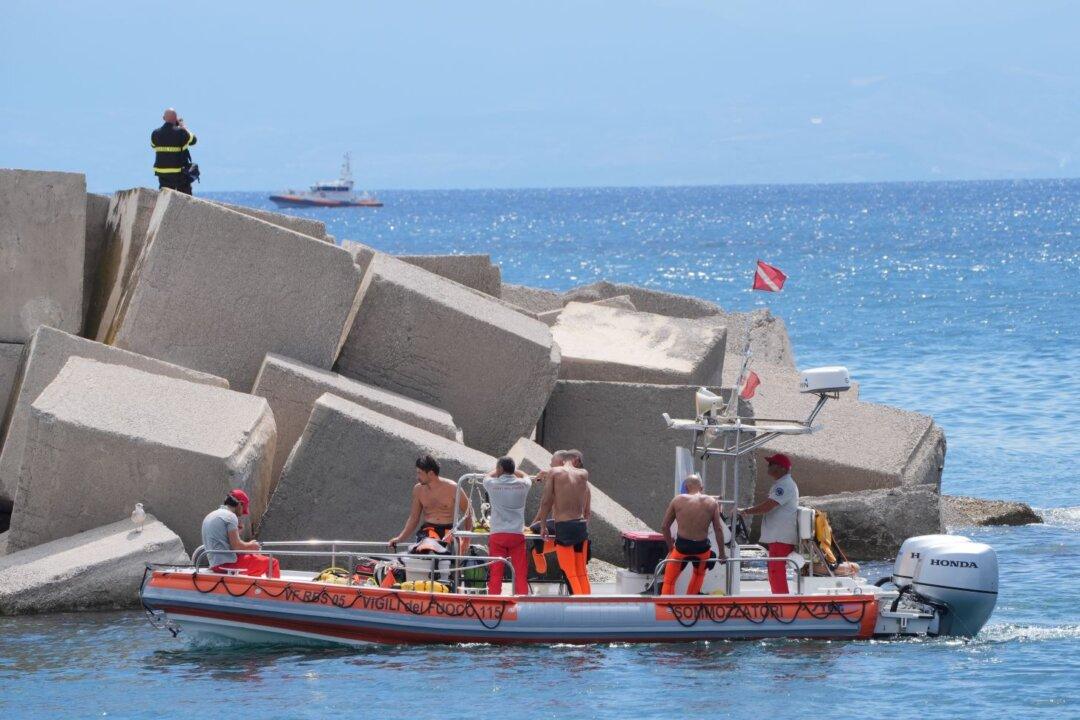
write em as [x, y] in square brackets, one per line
[780, 526]
[507, 488]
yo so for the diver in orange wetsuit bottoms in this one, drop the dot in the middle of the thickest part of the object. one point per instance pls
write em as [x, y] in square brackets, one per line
[694, 512]
[566, 498]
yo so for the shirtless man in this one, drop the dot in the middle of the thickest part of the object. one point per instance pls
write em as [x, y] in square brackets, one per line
[566, 498]
[695, 512]
[433, 500]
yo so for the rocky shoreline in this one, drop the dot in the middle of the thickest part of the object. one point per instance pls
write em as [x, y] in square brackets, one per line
[161, 349]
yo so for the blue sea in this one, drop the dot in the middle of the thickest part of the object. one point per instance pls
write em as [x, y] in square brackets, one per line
[958, 300]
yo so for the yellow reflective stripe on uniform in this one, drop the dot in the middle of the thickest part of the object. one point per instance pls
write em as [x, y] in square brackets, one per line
[168, 148]
[163, 171]
[190, 139]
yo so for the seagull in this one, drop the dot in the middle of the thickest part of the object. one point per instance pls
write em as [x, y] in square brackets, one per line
[138, 516]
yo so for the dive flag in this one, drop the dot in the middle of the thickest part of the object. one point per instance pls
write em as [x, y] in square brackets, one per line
[750, 386]
[768, 278]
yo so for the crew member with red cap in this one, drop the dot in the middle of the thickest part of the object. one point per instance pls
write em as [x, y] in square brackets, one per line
[780, 526]
[221, 539]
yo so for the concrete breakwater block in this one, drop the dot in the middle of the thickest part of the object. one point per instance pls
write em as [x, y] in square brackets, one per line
[530, 457]
[102, 437]
[872, 524]
[352, 472]
[474, 271]
[46, 354]
[97, 569]
[292, 387]
[438, 342]
[362, 255]
[856, 446]
[302, 225]
[960, 511]
[97, 216]
[216, 290]
[629, 451]
[125, 235]
[644, 299]
[531, 300]
[42, 252]
[10, 359]
[620, 301]
[617, 345]
[769, 342]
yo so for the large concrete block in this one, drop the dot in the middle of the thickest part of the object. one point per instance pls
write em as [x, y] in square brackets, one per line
[352, 472]
[46, 354]
[292, 387]
[961, 511]
[302, 225]
[216, 290]
[619, 301]
[42, 252]
[475, 271]
[362, 254]
[530, 457]
[531, 300]
[629, 451]
[97, 216]
[872, 524]
[125, 235]
[644, 299]
[769, 342]
[858, 446]
[97, 569]
[446, 345]
[103, 437]
[10, 359]
[618, 345]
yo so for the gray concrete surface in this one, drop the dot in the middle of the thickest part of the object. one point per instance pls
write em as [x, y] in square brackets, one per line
[10, 359]
[292, 387]
[619, 301]
[97, 216]
[872, 524]
[644, 299]
[474, 271]
[619, 345]
[446, 345]
[48, 351]
[960, 511]
[103, 437]
[530, 299]
[94, 570]
[216, 290]
[42, 252]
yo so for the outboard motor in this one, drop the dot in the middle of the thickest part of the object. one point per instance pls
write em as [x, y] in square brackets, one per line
[912, 551]
[960, 580]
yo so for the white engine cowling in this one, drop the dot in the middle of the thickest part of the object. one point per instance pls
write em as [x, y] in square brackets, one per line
[911, 552]
[962, 577]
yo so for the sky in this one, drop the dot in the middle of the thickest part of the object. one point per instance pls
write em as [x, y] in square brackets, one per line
[488, 94]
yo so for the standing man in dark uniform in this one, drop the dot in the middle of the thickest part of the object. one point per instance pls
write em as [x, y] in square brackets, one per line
[172, 157]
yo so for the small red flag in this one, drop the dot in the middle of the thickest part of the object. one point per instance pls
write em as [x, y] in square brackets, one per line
[750, 386]
[768, 278]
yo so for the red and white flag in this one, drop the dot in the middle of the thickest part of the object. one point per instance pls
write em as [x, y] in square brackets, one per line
[769, 278]
[750, 386]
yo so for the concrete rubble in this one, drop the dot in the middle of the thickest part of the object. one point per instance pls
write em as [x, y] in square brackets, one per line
[292, 387]
[42, 252]
[872, 524]
[192, 302]
[446, 345]
[617, 345]
[474, 271]
[959, 511]
[46, 354]
[629, 451]
[93, 570]
[103, 437]
[352, 474]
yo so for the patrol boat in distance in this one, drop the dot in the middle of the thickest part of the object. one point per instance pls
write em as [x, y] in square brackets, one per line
[329, 193]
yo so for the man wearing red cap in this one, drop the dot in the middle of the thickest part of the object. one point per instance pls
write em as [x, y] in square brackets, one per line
[221, 539]
[780, 526]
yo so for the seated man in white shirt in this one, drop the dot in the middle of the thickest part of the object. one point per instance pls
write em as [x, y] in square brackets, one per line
[780, 526]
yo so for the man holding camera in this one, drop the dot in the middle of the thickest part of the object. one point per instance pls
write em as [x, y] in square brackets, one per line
[172, 159]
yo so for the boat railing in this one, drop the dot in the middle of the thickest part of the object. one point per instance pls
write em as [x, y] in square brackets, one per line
[439, 566]
[661, 566]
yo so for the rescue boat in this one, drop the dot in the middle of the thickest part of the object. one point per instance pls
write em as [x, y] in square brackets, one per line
[941, 585]
[329, 193]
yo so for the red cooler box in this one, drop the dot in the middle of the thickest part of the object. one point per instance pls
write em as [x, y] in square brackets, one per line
[643, 551]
